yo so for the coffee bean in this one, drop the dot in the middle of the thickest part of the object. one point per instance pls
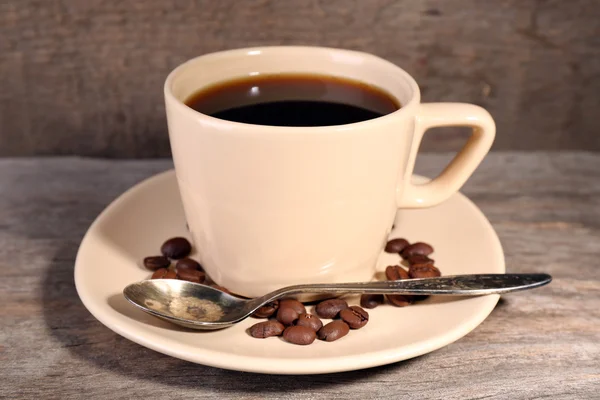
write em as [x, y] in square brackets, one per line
[419, 259]
[286, 315]
[176, 248]
[292, 303]
[330, 308]
[399, 300]
[266, 329]
[191, 275]
[417, 248]
[267, 310]
[170, 275]
[355, 317]
[301, 335]
[371, 300]
[188, 263]
[159, 273]
[396, 245]
[423, 271]
[155, 262]
[310, 321]
[333, 331]
[395, 273]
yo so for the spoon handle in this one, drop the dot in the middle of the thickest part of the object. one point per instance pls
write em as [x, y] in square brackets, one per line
[480, 284]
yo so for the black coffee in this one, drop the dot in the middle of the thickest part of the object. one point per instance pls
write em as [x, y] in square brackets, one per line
[293, 100]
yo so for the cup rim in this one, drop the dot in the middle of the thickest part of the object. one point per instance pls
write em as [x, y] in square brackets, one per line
[249, 51]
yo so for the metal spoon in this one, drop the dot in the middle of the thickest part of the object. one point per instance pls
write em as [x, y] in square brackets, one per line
[197, 306]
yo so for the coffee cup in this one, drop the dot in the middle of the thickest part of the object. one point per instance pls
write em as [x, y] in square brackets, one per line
[271, 206]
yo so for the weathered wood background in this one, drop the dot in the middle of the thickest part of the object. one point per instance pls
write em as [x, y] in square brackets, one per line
[85, 77]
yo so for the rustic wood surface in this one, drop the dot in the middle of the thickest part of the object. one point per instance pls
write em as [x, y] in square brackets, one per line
[85, 77]
[543, 343]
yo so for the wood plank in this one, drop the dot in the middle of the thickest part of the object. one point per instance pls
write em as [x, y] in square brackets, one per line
[85, 77]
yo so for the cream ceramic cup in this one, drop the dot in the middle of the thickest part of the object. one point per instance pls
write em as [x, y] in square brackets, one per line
[273, 206]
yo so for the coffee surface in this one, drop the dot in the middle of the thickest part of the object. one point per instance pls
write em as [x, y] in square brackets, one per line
[293, 100]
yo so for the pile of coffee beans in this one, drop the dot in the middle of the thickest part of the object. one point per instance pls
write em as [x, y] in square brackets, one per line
[288, 318]
[416, 255]
[175, 263]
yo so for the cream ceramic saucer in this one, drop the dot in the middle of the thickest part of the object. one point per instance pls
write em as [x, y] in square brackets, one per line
[136, 224]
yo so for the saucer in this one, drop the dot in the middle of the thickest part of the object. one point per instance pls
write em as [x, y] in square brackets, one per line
[135, 225]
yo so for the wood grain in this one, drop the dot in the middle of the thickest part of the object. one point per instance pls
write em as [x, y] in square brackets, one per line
[538, 344]
[85, 77]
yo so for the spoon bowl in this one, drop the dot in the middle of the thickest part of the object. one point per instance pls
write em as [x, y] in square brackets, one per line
[188, 304]
[198, 306]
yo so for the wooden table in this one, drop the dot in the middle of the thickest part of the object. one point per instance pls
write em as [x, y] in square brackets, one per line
[539, 344]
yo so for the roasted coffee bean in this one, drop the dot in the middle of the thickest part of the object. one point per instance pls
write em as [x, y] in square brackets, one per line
[189, 264]
[395, 273]
[159, 273]
[371, 300]
[293, 303]
[399, 300]
[330, 308]
[170, 274]
[310, 321]
[191, 275]
[176, 248]
[423, 271]
[266, 329]
[301, 335]
[267, 310]
[419, 259]
[155, 262]
[355, 317]
[333, 331]
[396, 245]
[417, 248]
[286, 315]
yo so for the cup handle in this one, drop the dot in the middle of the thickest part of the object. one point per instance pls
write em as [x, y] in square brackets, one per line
[464, 163]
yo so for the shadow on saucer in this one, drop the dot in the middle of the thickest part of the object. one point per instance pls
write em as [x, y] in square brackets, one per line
[81, 334]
